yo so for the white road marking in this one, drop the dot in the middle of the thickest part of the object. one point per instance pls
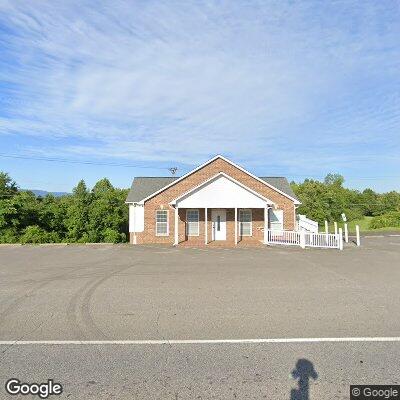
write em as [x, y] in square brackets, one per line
[373, 236]
[199, 341]
[394, 235]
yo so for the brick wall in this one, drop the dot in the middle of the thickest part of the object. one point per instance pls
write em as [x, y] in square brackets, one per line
[162, 200]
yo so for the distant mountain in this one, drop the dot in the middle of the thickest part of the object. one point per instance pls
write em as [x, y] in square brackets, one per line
[43, 193]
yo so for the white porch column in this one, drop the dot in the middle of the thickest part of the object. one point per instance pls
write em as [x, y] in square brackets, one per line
[266, 224]
[236, 226]
[205, 226]
[176, 225]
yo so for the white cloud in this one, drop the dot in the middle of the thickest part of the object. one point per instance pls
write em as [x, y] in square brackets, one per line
[163, 80]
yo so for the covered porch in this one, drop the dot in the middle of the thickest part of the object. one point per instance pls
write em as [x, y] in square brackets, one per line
[221, 211]
[221, 227]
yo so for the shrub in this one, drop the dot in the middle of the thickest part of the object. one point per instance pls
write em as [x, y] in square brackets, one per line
[388, 220]
[84, 238]
[8, 236]
[35, 234]
[111, 236]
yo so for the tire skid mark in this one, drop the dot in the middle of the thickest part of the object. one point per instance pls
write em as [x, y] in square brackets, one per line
[79, 312]
[19, 300]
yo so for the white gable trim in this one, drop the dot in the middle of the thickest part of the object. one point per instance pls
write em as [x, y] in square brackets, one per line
[210, 161]
[173, 202]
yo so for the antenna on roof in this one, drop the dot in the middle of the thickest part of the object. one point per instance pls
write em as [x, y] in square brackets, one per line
[173, 170]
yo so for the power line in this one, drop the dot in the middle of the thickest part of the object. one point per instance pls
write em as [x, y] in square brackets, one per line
[173, 169]
[349, 177]
[64, 160]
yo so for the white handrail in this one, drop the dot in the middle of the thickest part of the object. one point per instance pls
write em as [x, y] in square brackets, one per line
[306, 224]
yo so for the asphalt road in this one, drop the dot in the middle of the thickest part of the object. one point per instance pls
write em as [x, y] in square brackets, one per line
[111, 293]
[229, 371]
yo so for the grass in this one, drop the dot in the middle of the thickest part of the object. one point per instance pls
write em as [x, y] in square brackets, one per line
[363, 224]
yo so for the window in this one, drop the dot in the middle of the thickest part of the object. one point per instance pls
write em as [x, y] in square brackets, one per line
[276, 219]
[162, 223]
[192, 222]
[245, 222]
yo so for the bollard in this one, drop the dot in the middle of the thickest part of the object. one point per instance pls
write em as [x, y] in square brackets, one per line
[340, 239]
[326, 233]
[346, 233]
[358, 242]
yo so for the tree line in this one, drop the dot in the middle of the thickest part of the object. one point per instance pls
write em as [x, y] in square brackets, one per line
[101, 215]
[96, 215]
[328, 199]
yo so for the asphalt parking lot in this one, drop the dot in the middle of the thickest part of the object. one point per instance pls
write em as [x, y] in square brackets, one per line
[106, 293]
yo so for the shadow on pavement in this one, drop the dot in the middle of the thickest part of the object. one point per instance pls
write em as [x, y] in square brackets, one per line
[303, 371]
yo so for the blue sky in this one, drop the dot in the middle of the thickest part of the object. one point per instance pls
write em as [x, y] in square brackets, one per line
[295, 88]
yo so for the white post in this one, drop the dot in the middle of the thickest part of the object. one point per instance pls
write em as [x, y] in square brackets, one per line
[326, 232]
[302, 239]
[266, 225]
[176, 225]
[205, 226]
[335, 224]
[346, 233]
[235, 226]
[340, 239]
[358, 235]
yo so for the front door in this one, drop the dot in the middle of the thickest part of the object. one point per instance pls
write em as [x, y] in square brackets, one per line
[218, 218]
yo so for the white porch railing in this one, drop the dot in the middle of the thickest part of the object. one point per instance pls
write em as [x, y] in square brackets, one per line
[289, 238]
[323, 240]
[305, 239]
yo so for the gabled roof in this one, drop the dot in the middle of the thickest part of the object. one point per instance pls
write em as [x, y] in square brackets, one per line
[145, 190]
[173, 180]
[281, 183]
[143, 187]
[213, 178]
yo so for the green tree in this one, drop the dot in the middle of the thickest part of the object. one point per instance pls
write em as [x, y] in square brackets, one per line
[334, 180]
[77, 217]
[370, 203]
[390, 202]
[107, 211]
[327, 200]
[19, 211]
[8, 187]
[52, 212]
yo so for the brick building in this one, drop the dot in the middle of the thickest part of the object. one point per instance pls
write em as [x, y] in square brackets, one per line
[217, 203]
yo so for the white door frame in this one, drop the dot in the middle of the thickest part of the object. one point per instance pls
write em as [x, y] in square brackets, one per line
[221, 235]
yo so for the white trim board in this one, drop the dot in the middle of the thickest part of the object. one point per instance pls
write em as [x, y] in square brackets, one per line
[210, 161]
[198, 341]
